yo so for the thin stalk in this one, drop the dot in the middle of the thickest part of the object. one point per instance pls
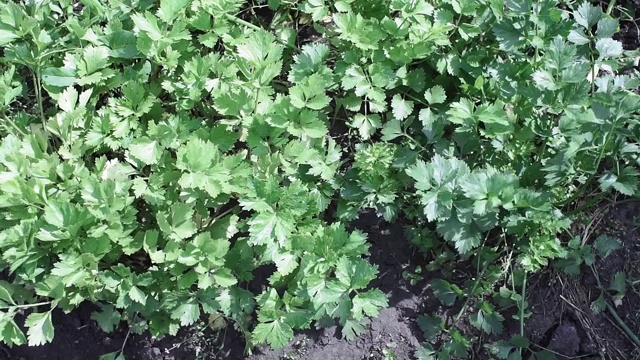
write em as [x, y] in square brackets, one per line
[630, 334]
[473, 290]
[37, 83]
[421, 102]
[124, 343]
[589, 204]
[25, 306]
[14, 125]
[214, 218]
[523, 295]
[580, 191]
[414, 141]
[612, 4]
[475, 285]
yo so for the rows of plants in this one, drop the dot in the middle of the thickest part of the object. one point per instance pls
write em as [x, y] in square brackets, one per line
[157, 156]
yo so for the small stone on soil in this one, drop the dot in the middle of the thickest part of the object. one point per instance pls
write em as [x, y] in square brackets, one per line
[565, 340]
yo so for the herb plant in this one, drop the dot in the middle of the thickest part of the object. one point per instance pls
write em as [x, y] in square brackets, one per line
[159, 158]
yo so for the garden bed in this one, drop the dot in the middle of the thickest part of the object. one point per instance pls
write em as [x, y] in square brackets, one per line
[232, 179]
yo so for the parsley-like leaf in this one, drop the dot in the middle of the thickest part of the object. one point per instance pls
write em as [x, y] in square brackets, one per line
[40, 328]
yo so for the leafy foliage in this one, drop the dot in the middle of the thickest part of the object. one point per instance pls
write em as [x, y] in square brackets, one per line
[215, 148]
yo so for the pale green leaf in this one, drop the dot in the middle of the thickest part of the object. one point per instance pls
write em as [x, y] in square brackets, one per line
[401, 108]
[137, 295]
[276, 333]
[40, 328]
[587, 15]
[606, 244]
[367, 125]
[59, 77]
[7, 36]
[608, 48]
[146, 150]
[435, 95]
[170, 9]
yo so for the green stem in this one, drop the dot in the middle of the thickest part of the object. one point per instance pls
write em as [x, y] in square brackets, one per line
[24, 306]
[124, 343]
[632, 336]
[414, 141]
[14, 125]
[612, 4]
[588, 205]
[522, 305]
[218, 216]
[475, 285]
[37, 83]
[421, 102]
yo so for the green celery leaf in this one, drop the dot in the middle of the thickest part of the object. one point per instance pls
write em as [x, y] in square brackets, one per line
[145, 150]
[197, 155]
[391, 130]
[59, 77]
[426, 352]
[10, 332]
[188, 312]
[285, 262]
[170, 9]
[351, 329]
[401, 108]
[224, 277]
[435, 95]
[356, 79]
[587, 15]
[137, 295]
[309, 61]
[178, 224]
[608, 48]
[465, 237]
[40, 328]
[487, 319]
[607, 27]
[431, 326]
[444, 292]
[260, 48]
[606, 244]
[367, 125]
[108, 318]
[368, 303]
[310, 93]
[276, 333]
[626, 182]
[149, 25]
[7, 36]
[266, 227]
[578, 37]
